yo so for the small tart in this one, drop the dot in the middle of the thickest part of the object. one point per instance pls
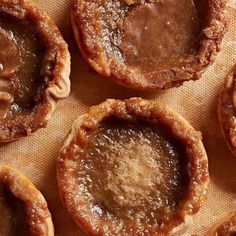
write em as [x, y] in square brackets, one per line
[149, 44]
[226, 227]
[34, 69]
[132, 167]
[227, 110]
[23, 208]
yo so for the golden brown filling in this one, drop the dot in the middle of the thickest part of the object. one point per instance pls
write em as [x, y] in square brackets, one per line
[158, 32]
[9, 54]
[132, 172]
[21, 53]
[12, 217]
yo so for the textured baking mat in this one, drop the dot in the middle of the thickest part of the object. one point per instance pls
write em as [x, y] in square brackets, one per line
[35, 156]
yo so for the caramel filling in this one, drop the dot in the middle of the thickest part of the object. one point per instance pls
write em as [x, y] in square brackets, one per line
[21, 53]
[12, 215]
[132, 172]
[9, 54]
[160, 32]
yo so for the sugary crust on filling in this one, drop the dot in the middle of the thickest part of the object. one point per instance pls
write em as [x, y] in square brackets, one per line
[55, 88]
[226, 110]
[78, 141]
[226, 227]
[38, 217]
[89, 30]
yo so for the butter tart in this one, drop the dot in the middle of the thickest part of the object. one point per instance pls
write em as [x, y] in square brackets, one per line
[227, 110]
[149, 44]
[34, 69]
[132, 167]
[226, 227]
[23, 209]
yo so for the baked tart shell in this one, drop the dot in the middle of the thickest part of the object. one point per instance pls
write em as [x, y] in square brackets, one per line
[38, 218]
[226, 110]
[92, 33]
[55, 66]
[79, 140]
[227, 226]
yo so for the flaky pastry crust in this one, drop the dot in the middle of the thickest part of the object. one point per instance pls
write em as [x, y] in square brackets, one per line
[88, 28]
[55, 88]
[226, 110]
[226, 227]
[79, 138]
[38, 218]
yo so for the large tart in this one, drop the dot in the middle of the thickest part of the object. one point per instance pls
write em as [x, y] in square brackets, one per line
[149, 44]
[132, 167]
[226, 227]
[34, 69]
[23, 209]
[227, 110]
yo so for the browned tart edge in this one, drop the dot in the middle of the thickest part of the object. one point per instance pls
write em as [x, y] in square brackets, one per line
[226, 110]
[84, 126]
[57, 88]
[38, 217]
[190, 69]
[226, 226]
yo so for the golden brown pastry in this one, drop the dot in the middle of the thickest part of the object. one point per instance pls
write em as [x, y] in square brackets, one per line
[149, 44]
[23, 209]
[132, 167]
[34, 69]
[227, 112]
[226, 227]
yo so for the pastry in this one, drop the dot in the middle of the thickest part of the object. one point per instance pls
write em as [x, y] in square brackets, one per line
[226, 227]
[23, 209]
[132, 167]
[149, 44]
[226, 110]
[34, 69]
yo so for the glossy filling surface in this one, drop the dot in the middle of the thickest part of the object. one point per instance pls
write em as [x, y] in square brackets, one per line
[21, 55]
[156, 33]
[12, 217]
[131, 172]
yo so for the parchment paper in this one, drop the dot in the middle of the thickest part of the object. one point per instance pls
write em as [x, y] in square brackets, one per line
[35, 156]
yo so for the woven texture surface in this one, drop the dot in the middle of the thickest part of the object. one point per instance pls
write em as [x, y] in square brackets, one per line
[35, 156]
